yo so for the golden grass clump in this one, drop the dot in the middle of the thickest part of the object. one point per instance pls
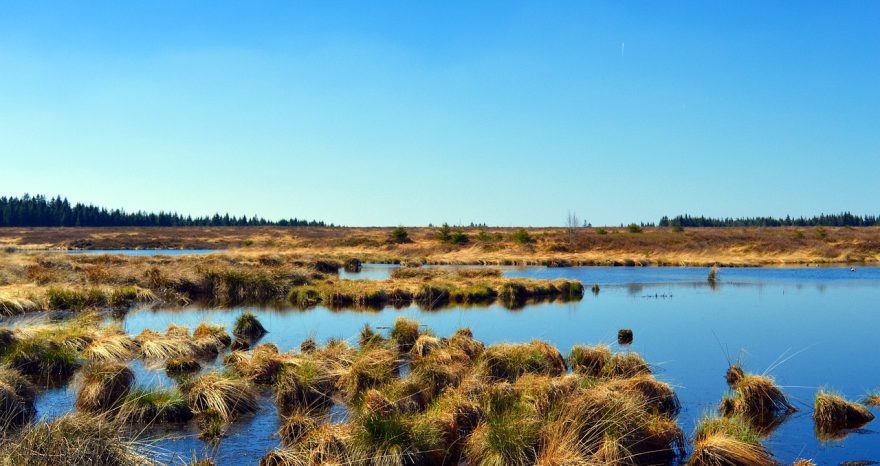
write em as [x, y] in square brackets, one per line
[509, 434]
[381, 435]
[148, 406]
[248, 326]
[182, 365]
[509, 361]
[659, 396]
[19, 383]
[803, 462]
[546, 393]
[833, 414]
[304, 383]
[240, 345]
[463, 340]
[452, 418]
[296, 425]
[223, 395]
[116, 348]
[264, 364]
[196, 461]
[44, 361]
[72, 440]
[17, 396]
[15, 305]
[218, 332]
[625, 365]
[371, 368]
[757, 397]
[103, 386]
[604, 425]
[405, 332]
[589, 360]
[7, 339]
[234, 359]
[175, 330]
[368, 337]
[328, 444]
[207, 347]
[443, 368]
[728, 441]
[235, 284]
[424, 345]
[155, 346]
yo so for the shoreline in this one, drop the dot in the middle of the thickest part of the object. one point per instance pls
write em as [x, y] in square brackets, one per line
[550, 263]
[553, 247]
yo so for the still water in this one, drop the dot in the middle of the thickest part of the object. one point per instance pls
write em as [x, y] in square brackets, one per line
[139, 252]
[807, 327]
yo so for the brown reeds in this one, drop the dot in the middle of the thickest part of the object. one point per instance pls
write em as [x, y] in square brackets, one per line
[103, 386]
[17, 396]
[222, 395]
[72, 440]
[758, 398]
[589, 360]
[728, 441]
[248, 326]
[833, 414]
[509, 361]
[160, 407]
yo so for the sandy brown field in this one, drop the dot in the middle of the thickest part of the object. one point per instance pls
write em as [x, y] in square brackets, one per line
[555, 246]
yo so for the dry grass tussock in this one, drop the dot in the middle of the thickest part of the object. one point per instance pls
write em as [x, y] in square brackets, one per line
[225, 396]
[728, 441]
[103, 386]
[17, 397]
[508, 404]
[160, 407]
[756, 397]
[159, 347]
[834, 414]
[72, 440]
[111, 348]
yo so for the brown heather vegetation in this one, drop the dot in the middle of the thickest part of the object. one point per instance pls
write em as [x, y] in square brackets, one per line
[834, 415]
[52, 281]
[550, 246]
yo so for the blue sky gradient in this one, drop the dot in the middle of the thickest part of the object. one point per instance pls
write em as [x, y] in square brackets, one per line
[401, 112]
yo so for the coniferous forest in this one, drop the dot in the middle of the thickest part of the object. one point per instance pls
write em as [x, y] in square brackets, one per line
[41, 211]
[844, 219]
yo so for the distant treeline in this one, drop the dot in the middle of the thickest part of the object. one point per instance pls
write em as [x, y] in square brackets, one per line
[845, 219]
[40, 211]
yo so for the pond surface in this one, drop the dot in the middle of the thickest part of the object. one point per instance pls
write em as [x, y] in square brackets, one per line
[807, 327]
[140, 252]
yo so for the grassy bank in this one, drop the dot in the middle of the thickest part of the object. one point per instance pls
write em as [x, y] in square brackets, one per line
[50, 281]
[542, 246]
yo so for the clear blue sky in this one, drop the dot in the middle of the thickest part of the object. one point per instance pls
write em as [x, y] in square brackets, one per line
[409, 112]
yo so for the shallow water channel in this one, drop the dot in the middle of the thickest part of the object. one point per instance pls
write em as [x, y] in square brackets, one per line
[807, 327]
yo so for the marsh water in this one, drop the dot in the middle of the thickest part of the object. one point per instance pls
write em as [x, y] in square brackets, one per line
[139, 252]
[807, 327]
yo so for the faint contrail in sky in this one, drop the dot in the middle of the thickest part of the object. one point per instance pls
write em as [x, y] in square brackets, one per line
[622, 48]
